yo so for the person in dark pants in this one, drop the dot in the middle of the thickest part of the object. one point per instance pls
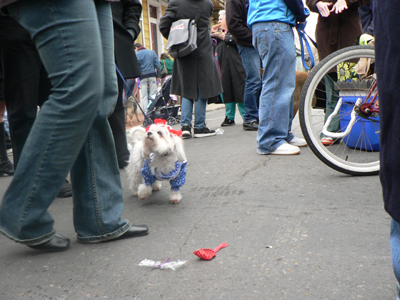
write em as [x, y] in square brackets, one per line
[367, 18]
[387, 45]
[6, 167]
[26, 85]
[236, 19]
[232, 72]
[126, 15]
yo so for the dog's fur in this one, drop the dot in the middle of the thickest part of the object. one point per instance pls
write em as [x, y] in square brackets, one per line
[131, 110]
[167, 148]
[300, 79]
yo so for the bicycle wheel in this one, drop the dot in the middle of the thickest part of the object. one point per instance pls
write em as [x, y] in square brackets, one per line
[348, 148]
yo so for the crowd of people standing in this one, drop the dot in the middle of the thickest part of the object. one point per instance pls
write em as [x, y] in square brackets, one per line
[70, 52]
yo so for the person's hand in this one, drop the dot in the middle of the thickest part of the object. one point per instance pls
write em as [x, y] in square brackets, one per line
[220, 35]
[215, 28]
[323, 8]
[339, 6]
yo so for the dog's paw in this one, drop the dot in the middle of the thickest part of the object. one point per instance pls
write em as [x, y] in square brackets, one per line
[144, 191]
[156, 185]
[175, 197]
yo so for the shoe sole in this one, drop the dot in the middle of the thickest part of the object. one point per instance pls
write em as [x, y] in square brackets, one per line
[330, 143]
[291, 153]
[274, 153]
[186, 135]
[250, 129]
[200, 135]
[111, 239]
[299, 145]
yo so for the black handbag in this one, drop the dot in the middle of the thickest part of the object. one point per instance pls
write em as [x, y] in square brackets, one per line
[182, 39]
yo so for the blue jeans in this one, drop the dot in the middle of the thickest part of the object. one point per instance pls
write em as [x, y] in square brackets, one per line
[275, 44]
[395, 247]
[200, 106]
[252, 64]
[71, 133]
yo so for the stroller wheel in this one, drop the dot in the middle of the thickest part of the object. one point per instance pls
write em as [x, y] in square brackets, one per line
[171, 121]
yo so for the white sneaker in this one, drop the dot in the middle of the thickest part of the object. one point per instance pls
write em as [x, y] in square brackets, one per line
[299, 142]
[286, 149]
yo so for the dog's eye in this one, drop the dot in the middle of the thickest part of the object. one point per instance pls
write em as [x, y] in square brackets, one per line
[159, 133]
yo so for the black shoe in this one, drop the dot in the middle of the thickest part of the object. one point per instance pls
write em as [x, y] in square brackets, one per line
[134, 231]
[65, 191]
[227, 122]
[203, 132]
[186, 132]
[6, 167]
[57, 243]
[252, 125]
[122, 164]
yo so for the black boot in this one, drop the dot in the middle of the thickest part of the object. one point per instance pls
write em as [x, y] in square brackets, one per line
[6, 167]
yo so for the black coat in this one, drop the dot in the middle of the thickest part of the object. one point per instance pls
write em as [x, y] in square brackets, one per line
[126, 16]
[236, 19]
[387, 45]
[196, 72]
[232, 72]
[338, 30]
[7, 2]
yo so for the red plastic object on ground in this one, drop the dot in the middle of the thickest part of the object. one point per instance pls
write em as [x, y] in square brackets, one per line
[208, 254]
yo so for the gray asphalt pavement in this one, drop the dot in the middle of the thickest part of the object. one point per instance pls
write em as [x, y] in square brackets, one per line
[295, 229]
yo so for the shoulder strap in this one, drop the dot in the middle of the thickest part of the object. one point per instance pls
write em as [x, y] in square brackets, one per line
[198, 14]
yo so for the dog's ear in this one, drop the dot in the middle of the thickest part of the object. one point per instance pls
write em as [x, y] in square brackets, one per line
[178, 147]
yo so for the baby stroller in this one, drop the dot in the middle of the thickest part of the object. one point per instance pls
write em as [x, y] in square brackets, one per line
[163, 107]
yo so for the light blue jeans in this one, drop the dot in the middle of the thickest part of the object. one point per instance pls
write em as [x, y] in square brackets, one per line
[252, 64]
[71, 133]
[275, 44]
[395, 247]
[200, 106]
[148, 88]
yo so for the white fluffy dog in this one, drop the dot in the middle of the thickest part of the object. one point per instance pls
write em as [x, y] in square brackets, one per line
[157, 154]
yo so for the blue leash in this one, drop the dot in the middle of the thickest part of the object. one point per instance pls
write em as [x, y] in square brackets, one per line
[126, 86]
[302, 37]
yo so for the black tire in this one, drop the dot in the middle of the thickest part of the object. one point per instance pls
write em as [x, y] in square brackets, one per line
[171, 121]
[357, 152]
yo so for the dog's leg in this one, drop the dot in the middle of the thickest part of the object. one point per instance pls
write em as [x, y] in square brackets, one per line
[175, 196]
[144, 191]
[134, 175]
[156, 185]
[134, 187]
[130, 120]
[137, 116]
